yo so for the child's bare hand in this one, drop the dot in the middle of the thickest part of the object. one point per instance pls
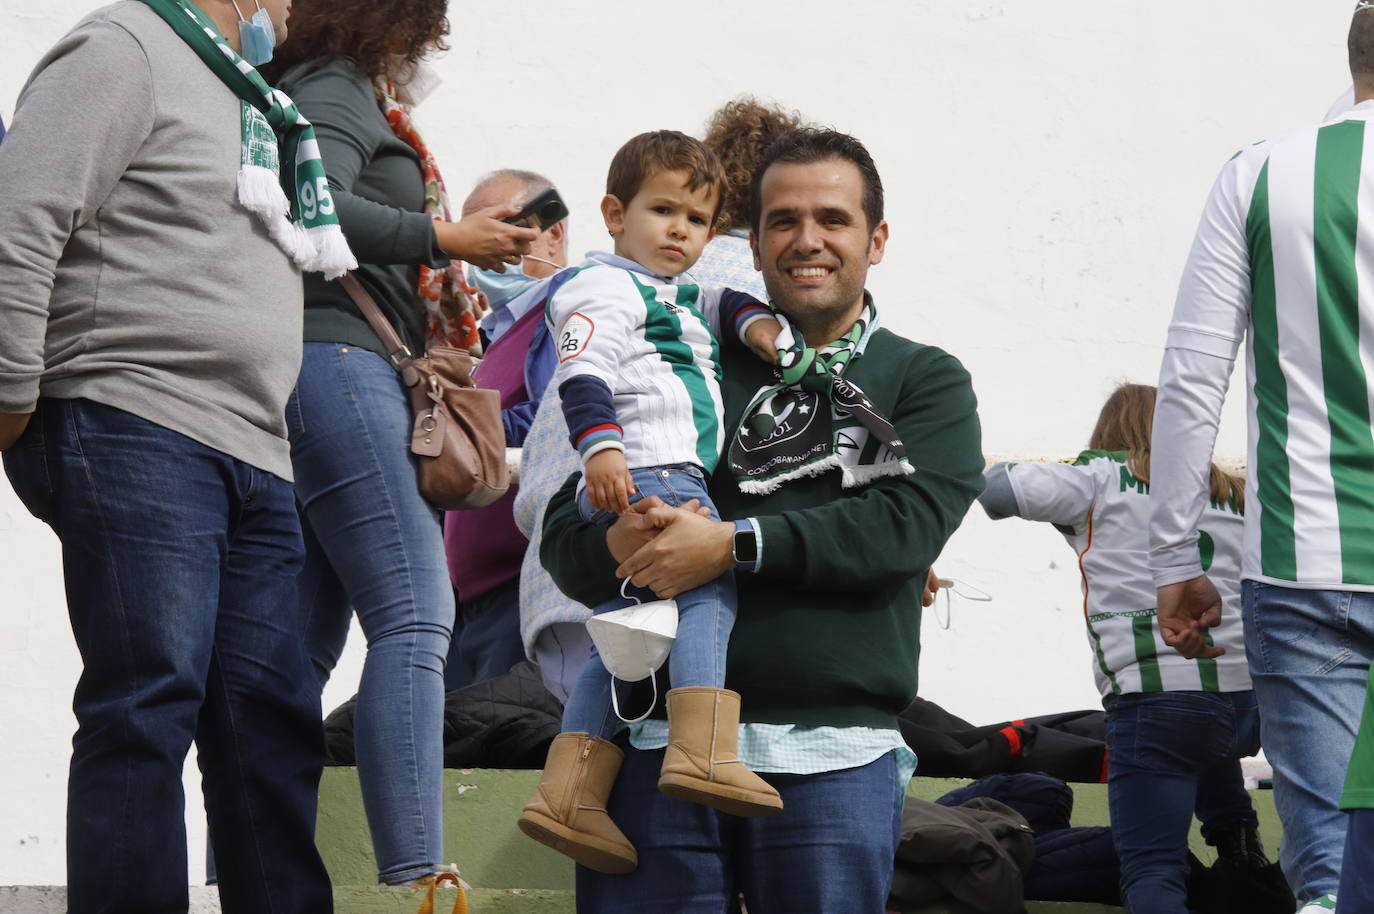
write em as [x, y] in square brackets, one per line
[761, 337]
[609, 484]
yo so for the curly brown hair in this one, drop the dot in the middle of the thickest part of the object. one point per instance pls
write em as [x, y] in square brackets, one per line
[738, 133]
[375, 35]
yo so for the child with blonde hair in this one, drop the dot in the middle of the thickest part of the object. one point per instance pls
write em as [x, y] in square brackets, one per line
[1176, 728]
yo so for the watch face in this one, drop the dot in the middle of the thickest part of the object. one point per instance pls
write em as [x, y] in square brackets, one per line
[746, 546]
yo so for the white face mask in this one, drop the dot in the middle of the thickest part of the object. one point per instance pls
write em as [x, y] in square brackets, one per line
[634, 642]
[416, 82]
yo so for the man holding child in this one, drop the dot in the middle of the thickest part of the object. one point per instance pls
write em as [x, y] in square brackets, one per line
[845, 470]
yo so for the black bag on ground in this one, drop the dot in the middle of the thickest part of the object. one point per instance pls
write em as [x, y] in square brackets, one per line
[506, 722]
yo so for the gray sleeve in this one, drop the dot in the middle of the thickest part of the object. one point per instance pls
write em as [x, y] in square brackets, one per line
[998, 499]
[340, 104]
[62, 157]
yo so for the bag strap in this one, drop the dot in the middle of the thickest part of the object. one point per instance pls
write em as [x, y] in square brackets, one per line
[400, 355]
[460, 903]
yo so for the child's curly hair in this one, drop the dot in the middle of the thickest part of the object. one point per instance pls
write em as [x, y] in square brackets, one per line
[738, 133]
[375, 35]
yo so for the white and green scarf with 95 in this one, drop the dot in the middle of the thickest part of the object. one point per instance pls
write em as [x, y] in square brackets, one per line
[281, 178]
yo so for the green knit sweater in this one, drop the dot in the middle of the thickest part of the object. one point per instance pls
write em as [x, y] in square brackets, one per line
[828, 630]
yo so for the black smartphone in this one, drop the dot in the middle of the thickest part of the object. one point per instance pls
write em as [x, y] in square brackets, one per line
[544, 211]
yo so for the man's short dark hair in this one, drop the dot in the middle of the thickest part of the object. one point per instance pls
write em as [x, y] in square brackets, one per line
[1360, 44]
[809, 144]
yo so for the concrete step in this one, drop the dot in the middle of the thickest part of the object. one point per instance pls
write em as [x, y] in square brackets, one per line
[376, 900]
[517, 875]
[481, 806]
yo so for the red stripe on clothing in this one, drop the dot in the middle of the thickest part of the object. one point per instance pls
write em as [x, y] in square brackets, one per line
[600, 428]
[1014, 739]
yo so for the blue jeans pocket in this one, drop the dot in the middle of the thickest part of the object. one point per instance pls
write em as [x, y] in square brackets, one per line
[26, 466]
[1292, 631]
[1170, 733]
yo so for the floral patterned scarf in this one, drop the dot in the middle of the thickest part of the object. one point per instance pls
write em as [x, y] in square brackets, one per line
[453, 305]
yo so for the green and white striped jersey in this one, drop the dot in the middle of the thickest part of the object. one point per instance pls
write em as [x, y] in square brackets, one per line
[1283, 258]
[1103, 511]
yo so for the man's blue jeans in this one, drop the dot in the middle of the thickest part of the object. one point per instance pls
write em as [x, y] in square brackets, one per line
[706, 614]
[181, 568]
[374, 545]
[1309, 653]
[1170, 754]
[830, 851]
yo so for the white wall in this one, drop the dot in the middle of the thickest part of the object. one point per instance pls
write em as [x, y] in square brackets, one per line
[1045, 164]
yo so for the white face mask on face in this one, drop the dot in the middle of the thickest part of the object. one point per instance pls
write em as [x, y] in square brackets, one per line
[416, 82]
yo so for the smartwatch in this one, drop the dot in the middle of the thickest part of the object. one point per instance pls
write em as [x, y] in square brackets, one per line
[745, 549]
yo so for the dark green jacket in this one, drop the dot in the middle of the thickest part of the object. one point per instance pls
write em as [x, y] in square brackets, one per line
[828, 629]
[379, 189]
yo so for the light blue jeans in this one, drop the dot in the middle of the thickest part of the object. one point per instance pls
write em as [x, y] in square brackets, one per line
[1309, 653]
[375, 545]
[706, 614]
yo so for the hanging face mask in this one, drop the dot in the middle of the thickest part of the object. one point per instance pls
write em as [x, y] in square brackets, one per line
[501, 288]
[634, 642]
[257, 37]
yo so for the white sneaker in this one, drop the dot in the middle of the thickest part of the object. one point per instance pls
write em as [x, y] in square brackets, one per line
[1319, 905]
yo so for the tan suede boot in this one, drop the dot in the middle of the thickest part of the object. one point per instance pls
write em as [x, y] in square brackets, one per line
[702, 765]
[568, 809]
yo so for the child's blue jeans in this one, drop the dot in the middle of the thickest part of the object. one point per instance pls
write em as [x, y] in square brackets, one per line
[1170, 754]
[706, 614]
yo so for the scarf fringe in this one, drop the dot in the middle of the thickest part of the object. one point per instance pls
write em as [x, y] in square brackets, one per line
[323, 248]
[333, 257]
[856, 476]
[772, 483]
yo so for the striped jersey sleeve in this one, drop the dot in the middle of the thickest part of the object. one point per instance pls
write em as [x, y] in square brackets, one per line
[1284, 262]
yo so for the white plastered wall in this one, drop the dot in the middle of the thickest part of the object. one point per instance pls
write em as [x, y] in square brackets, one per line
[1045, 162]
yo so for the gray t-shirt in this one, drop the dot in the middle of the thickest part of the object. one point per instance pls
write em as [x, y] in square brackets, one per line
[131, 275]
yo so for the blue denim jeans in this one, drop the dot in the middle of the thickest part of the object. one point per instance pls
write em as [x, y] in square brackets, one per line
[706, 614]
[375, 545]
[1172, 754]
[830, 850]
[181, 568]
[1309, 653]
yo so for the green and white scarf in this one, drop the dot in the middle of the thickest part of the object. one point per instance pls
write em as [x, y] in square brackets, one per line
[281, 178]
[815, 419]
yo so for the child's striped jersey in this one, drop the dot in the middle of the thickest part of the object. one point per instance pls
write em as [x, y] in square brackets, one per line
[1103, 510]
[638, 364]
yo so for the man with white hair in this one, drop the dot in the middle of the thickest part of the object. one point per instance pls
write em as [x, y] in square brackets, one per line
[484, 546]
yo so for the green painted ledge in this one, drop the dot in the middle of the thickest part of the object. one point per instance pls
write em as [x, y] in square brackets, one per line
[517, 875]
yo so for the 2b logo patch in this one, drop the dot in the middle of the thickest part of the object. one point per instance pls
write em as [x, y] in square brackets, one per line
[575, 335]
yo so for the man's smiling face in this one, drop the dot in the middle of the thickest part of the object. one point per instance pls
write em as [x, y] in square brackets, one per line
[814, 244]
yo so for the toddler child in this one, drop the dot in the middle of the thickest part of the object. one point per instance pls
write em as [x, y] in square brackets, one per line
[638, 376]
